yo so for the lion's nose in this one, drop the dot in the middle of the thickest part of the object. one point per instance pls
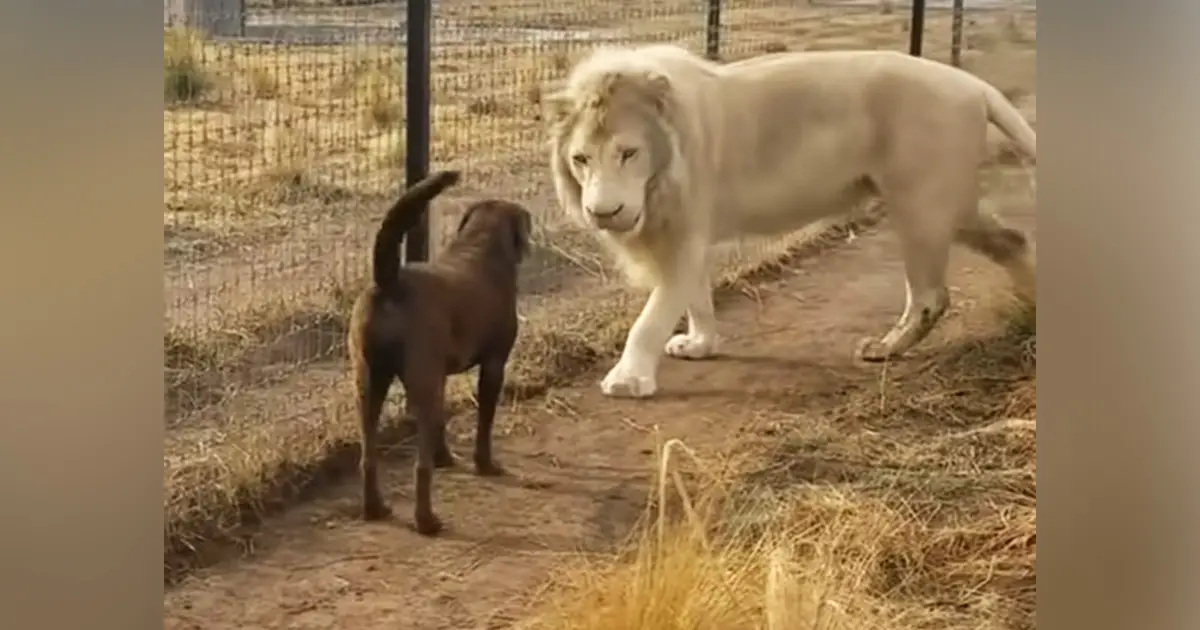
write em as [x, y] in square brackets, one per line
[596, 212]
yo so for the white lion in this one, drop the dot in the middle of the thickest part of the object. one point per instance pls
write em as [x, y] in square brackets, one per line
[666, 154]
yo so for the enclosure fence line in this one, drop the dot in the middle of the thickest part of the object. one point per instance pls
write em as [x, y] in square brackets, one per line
[290, 124]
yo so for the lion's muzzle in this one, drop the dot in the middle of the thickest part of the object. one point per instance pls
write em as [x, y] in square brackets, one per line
[605, 213]
[618, 219]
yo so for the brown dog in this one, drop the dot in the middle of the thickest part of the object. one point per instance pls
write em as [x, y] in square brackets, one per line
[421, 323]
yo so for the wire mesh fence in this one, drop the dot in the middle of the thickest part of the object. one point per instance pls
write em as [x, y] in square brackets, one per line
[284, 141]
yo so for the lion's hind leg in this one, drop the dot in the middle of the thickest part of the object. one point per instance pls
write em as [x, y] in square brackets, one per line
[926, 300]
[700, 340]
[985, 234]
[926, 225]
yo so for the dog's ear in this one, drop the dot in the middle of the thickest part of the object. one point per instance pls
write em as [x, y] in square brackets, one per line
[466, 218]
[522, 229]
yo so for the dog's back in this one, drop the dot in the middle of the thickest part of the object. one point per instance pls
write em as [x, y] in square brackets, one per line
[464, 302]
[381, 312]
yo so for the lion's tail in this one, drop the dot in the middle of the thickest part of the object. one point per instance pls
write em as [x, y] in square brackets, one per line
[1004, 115]
[400, 218]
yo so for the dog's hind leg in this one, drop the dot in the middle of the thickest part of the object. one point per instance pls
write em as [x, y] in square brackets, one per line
[491, 383]
[985, 234]
[372, 384]
[426, 394]
[443, 457]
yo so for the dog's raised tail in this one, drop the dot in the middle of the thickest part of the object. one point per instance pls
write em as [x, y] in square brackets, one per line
[400, 218]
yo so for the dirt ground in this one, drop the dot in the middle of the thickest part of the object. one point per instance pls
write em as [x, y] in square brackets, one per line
[579, 463]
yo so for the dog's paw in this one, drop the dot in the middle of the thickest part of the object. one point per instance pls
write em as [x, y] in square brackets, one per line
[427, 524]
[691, 347]
[625, 382]
[376, 511]
[489, 468]
[873, 351]
[444, 458]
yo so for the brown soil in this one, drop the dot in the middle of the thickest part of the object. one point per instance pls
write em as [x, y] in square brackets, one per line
[579, 463]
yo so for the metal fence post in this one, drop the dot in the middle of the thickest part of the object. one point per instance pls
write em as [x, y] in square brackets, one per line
[916, 29]
[418, 85]
[956, 34]
[712, 46]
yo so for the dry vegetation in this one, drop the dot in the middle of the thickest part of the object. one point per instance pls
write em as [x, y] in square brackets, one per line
[905, 505]
[277, 159]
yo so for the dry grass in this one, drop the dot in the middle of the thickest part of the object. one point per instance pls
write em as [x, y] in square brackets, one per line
[867, 515]
[341, 105]
[185, 79]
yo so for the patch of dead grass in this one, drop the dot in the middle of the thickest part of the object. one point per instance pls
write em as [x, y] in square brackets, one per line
[263, 82]
[204, 367]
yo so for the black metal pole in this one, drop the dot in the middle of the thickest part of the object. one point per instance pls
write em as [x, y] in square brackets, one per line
[713, 31]
[417, 125]
[956, 34]
[916, 29]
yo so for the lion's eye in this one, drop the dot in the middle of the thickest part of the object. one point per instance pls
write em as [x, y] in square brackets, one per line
[628, 153]
[580, 159]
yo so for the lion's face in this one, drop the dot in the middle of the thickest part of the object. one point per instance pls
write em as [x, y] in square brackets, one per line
[611, 142]
[613, 167]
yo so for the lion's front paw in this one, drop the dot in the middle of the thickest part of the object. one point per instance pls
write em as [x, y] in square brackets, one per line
[625, 381]
[691, 346]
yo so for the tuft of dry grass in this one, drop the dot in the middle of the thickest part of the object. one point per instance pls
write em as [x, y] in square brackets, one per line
[263, 82]
[888, 527]
[1015, 28]
[381, 93]
[185, 77]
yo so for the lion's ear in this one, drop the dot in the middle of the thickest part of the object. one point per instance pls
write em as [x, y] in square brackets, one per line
[658, 88]
[556, 107]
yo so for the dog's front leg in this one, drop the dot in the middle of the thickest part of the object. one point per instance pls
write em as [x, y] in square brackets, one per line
[426, 395]
[634, 376]
[491, 382]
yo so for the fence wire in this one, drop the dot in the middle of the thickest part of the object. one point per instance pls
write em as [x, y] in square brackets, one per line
[284, 141]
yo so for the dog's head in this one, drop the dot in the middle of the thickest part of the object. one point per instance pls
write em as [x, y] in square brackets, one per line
[508, 222]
